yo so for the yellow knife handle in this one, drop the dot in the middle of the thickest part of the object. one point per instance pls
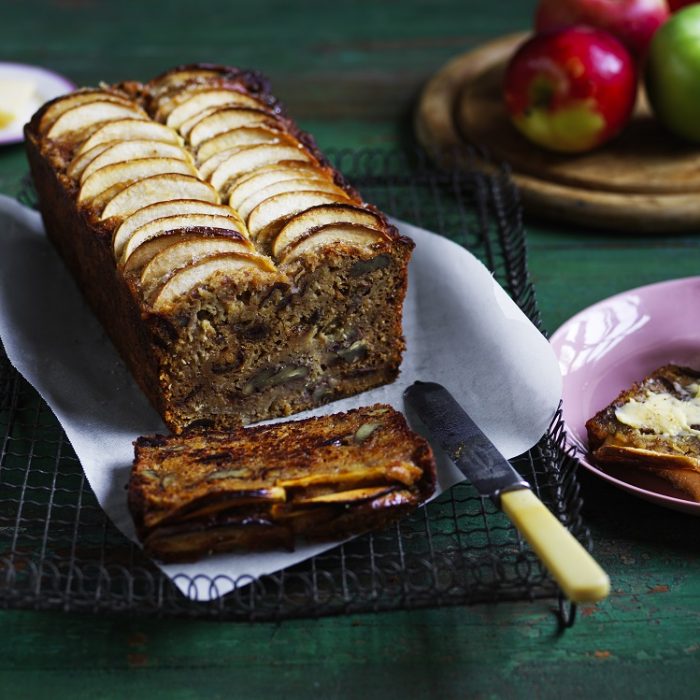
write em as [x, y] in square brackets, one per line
[573, 568]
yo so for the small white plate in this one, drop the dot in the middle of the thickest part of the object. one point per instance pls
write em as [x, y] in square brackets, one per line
[47, 86]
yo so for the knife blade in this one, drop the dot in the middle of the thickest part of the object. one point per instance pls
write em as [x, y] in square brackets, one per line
[580, 577]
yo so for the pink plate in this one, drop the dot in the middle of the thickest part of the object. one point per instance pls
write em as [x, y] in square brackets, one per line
[614, 343]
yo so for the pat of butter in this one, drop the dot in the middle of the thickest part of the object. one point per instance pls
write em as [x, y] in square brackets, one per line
[17, 97]
[663, 413]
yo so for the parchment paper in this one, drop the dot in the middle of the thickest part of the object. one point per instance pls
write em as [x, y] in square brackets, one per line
[461, 328]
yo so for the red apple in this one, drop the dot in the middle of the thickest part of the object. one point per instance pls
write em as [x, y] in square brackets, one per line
[675, 5]
[570, 90]
[633, 22]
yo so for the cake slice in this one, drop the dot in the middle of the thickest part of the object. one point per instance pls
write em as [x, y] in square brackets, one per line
[655, 426]
[262, 487]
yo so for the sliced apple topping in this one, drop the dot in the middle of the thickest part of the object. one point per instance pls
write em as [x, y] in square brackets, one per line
[82, 117]
[252, 157]
[158, 188]
[82, 160]
[158, 227]
[302, 224]
[74, 99]
[332, 235]
[148, 250]
[208, 166]
[346, 497]
[272, 213]
[225, 119]
[98, 203]
[212, 97]
[134, 150]
[301, 184]
[129, 171]
[160, 210]
[207, 272]
[129, 130]
[182, 254]
[165, 103]
[189, 124]
[247, 185]
[178, 79]
[243, 136]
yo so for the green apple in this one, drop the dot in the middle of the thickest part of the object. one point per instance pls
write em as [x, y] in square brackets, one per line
[672, 73]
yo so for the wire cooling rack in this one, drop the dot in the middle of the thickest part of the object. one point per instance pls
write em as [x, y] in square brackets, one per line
[58, 550]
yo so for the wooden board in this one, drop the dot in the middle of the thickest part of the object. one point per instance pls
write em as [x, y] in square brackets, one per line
[643, 180]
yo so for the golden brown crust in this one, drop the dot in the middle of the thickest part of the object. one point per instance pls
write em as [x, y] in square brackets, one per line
[259, 487]
[675, 458]
[214, 354]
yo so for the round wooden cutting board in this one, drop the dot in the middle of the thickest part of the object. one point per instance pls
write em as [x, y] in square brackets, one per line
[644, 180]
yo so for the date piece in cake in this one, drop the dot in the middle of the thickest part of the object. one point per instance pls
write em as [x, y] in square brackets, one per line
[262, 487]
[654, 425]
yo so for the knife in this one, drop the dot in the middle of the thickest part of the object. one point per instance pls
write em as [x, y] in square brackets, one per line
[579, 576]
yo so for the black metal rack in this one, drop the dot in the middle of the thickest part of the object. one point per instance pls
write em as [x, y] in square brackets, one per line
[58, 550]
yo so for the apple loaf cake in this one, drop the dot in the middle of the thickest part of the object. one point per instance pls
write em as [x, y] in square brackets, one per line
[263, 486]
[655, 426]
[236, 271]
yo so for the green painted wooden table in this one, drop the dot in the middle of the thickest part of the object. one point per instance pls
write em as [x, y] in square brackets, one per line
[350, 72]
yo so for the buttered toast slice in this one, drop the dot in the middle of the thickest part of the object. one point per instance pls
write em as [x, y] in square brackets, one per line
[259, 488]
[654, 425]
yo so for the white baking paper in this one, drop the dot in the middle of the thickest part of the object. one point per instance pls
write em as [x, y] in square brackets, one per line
[461, 328]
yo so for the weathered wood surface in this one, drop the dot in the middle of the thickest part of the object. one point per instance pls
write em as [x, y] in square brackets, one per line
[643, 180]
[351, 73]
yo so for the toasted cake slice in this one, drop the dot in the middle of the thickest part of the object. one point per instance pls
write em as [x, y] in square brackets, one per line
[654, 425]
[260, 487]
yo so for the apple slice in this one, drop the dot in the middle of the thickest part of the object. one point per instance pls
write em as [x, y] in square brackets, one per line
[135, 150]
[158, 188]
[208, 166]
[346, 497]
[98, 203]
[176, 79]
[165, 103]
[80, 118]
[211, 164]
[243, 136]
[271, 214]
[148, 250]
[211, 97]
[301, 184]
[207, 271]
[252, 157]
[227, 118]
[160, 210]
[81, 161]
[169, 101]
[302, 224]
[158, 227]
[129, 171]
[332, 235]
[129, 130]
[182, 254]
[186, 127]
[74, 99]
[269, 174]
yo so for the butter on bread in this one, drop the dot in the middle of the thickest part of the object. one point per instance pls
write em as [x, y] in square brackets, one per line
[263, 486]
[655, 426]
[236, 271]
